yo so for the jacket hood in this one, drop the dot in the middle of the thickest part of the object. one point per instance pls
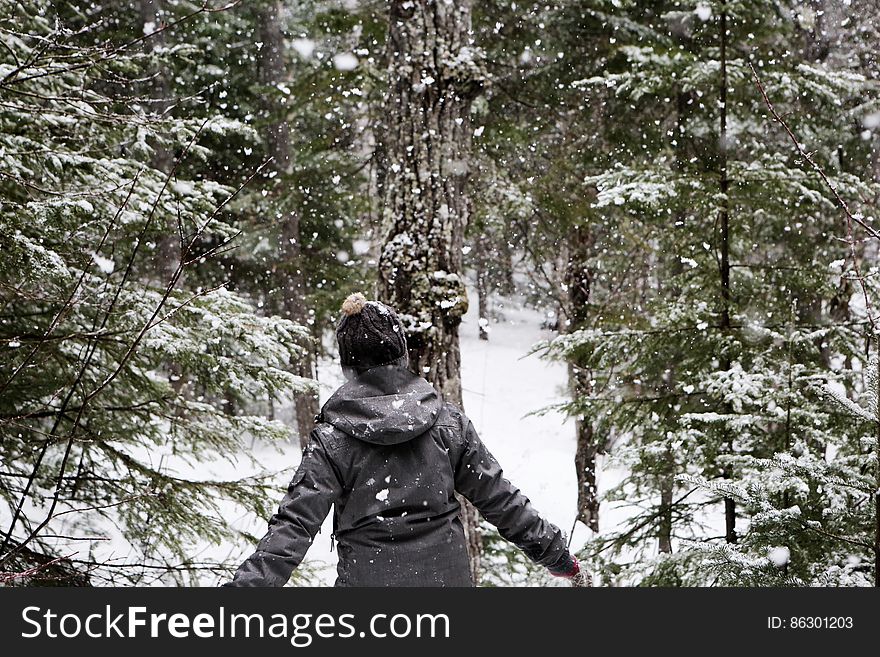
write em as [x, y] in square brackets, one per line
[384, 405]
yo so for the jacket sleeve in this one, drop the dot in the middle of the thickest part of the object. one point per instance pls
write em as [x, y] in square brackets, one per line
[312, 491]
[479, 477]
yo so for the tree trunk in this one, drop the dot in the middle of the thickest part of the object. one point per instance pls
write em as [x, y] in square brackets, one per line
[877, 492]
[425, 142]
[167, 255]
[482, 288]
[876, 164]
[667, 470]
[667, 489]
[724, 221]
[585, 464]
[578, 279]
[272, 71]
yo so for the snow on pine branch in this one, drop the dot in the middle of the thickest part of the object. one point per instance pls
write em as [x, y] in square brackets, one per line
[625, 185]
[838, 395]
[727, 488]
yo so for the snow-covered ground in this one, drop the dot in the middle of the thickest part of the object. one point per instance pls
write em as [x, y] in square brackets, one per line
[503, 387]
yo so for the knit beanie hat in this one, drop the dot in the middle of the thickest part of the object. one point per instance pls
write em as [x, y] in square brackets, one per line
[369, 334]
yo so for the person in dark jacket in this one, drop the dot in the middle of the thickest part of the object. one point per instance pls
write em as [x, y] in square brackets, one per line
[389, 455]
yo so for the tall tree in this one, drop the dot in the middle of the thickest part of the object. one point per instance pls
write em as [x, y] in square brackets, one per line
[286, 215]
[434, 73]
[579, 283]
[539, 134]
[724, 243]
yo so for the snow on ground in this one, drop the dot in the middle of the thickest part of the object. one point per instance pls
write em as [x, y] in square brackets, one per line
[502, 387]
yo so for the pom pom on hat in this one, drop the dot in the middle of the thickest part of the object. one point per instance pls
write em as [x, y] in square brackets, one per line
[353, 304]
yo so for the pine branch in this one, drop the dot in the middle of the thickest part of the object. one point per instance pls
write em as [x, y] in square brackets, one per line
[108, 53]
[7, 578]
[90, 351]
[56, 320]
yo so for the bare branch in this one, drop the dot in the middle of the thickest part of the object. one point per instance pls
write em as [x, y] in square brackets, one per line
[850, 216]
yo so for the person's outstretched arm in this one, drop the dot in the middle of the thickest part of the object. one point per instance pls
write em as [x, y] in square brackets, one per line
[478, 476]
[311, 493]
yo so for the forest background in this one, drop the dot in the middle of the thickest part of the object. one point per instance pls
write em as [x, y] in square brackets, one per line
[687, 189]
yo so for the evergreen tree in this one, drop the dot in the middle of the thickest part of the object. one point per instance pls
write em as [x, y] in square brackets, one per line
[97, 432]
[539, 133]
[739, 311]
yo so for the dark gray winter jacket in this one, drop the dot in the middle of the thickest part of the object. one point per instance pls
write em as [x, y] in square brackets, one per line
[389, 455]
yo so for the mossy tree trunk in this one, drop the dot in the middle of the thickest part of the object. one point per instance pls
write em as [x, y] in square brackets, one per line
[425, 139]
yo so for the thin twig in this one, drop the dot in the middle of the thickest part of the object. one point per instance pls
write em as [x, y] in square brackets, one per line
[9, 577]
[850, 217]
